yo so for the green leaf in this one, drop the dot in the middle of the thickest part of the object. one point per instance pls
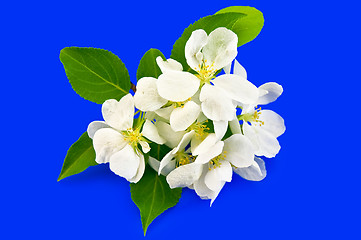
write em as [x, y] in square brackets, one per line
[247, 28]
[153, 196]
[95, 74]
[158, 151]
[148, 66]
[246, 22]
[80, 156]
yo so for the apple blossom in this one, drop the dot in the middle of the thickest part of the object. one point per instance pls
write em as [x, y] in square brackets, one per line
[210, 165]
[115, 141]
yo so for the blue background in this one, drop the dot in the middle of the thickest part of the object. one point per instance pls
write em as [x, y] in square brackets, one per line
[312, 48]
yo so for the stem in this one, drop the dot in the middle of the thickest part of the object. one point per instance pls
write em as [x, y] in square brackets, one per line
[133, 87]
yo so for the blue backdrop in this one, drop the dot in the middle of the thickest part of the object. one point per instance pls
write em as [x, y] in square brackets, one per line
[312, 189]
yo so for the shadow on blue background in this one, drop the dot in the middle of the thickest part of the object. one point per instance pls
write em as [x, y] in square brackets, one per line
[312, 188]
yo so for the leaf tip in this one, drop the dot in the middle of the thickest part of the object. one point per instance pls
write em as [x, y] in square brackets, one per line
[145, 231]
[60, 178]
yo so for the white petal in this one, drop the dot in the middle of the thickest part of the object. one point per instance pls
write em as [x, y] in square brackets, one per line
[215, 194]
[248, 108]
[166, 160]
[268, 143]
[165, 112]
[215, 104]
[182, 117]
[185, 175]
[150, 131]
[95, 126]
[212, 180]
[154, 163]
[106, 142]
[195, 141]
[239, 150]
[274, 90]
[216, 177]
[168, 65]
[179, 148]
[206, 144]
[201, 118]
[146, 98]
[165, 131]
[195, 97]
[119, 115]
[239, 69]
[251, 134]
[150, 116]
[235, 126]
[177, 86]
[168, 168]
[212, 152]
[184, 141]
[145, 146]
[125, 163]
[224, 171]
[140, 171]
[193, 48]
[262, 93]
[227, 69]
[221, 47]
[220, 128]
[273, 122]
[201, 188]
[255, 172]
[237, 88]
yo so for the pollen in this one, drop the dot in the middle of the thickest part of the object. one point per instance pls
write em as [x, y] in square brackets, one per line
[252, 117]
[133, 137]
[215, 162]
[180, 104]
[200, 128]
[255, 117]
[205, 72]
[184, 158]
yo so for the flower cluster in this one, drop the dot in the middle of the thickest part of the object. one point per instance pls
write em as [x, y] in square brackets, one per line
[212, 122]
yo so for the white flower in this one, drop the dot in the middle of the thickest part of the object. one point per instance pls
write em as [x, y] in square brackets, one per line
[210, 167]
[178, 153]
[194, 135]
[115, 141]
[255, 172]
[262, 127]
[177, 106]
[208, 54]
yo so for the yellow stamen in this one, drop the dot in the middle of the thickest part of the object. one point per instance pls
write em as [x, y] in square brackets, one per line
[215, 162]
[249, 117]
[199, 128]
[205, 72]
[178, 104]
[133, 137]
[183, 158]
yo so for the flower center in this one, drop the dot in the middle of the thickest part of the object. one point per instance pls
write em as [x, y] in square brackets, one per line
[200, 129]
[176, 104]
[215, 162]
[133, 137]
[205, 72]
[180, 104]
[252, 117]
[183, 158]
